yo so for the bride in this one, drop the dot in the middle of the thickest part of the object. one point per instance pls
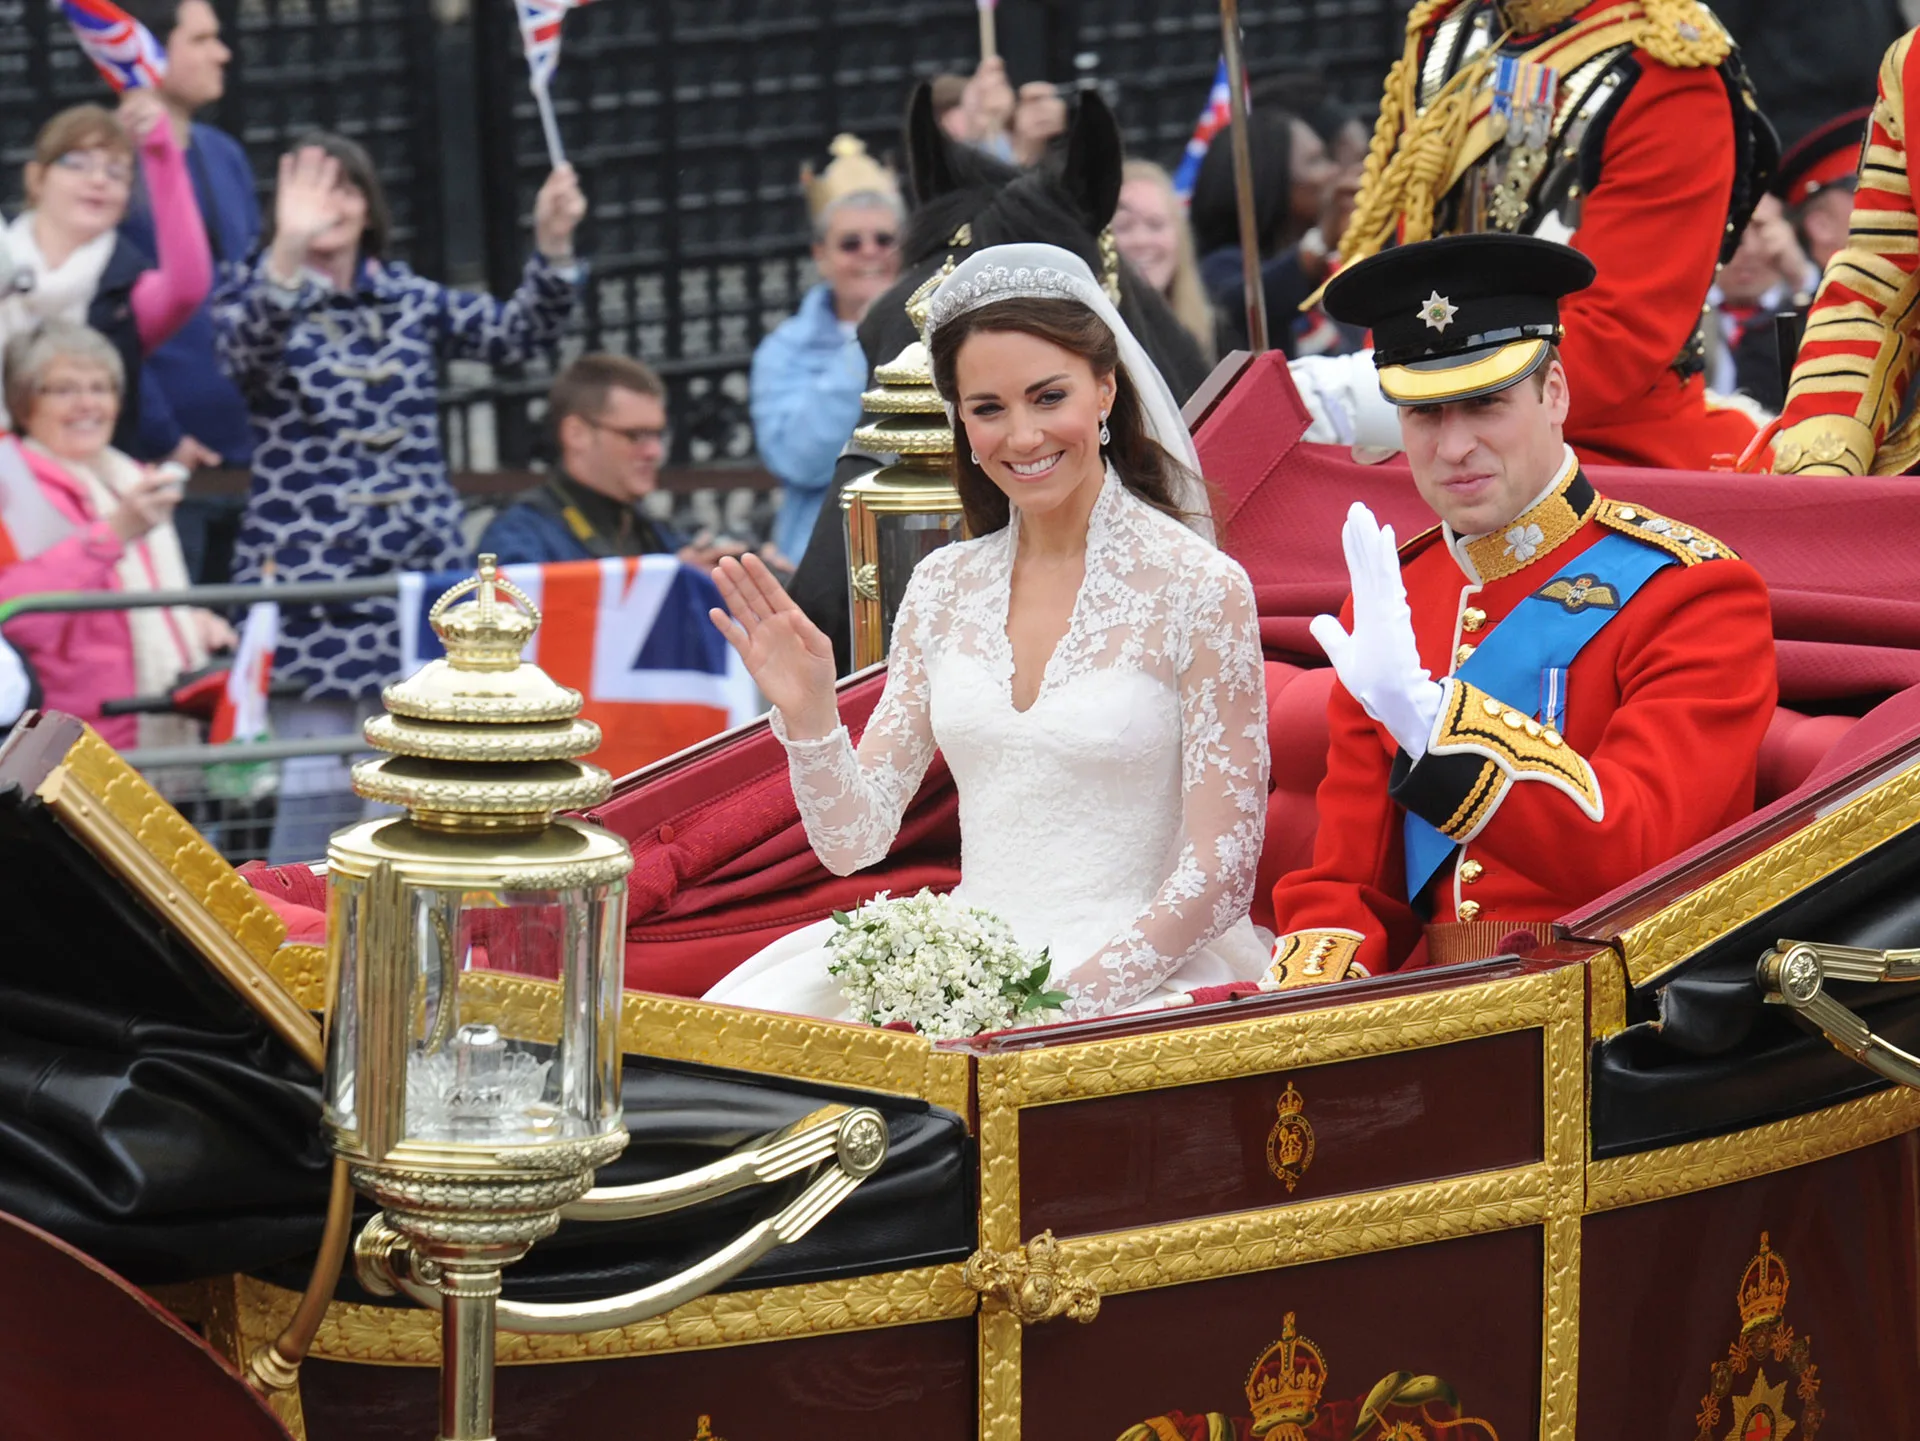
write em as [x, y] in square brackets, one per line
[1088, 663]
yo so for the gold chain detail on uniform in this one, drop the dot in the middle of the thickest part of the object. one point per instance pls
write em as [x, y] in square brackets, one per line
[1538, 531]
[407, 1336]
[1473, 722]
[1121, 1261]
[1668, 937]
[1720, 1160]
[1312, 958]
[1683, 34]
[1257, 1047]
[1686, 544]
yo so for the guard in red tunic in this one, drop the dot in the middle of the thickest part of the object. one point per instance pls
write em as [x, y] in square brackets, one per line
[1847, 407]
[1624, 128]
[1545, 695]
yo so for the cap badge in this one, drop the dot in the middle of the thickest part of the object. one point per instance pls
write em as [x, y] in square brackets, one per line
[1438, 311]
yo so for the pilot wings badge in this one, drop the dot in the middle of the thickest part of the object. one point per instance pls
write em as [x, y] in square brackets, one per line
[1574, 594]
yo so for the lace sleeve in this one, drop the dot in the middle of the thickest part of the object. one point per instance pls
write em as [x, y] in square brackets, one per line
[1223, 742]
[851, 800]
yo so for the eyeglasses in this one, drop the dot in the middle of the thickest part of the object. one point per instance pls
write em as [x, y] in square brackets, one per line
[634, 434]
[73, 390]
[854, 243]
[97, 162]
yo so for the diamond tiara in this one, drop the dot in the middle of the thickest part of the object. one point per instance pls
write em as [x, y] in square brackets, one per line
[998, 282]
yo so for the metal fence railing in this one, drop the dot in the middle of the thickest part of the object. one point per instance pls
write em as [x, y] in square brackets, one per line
[273, 799]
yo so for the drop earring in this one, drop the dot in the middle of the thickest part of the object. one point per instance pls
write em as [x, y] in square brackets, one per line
[1106, 436]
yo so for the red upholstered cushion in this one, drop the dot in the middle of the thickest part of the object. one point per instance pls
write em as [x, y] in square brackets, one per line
[1794, 745]
[1297, 738]
[1892, 723]
[296, 895]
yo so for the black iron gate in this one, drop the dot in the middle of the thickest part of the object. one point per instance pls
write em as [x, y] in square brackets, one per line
[689, 121]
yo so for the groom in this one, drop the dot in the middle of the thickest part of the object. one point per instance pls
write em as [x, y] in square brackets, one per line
[1542, 697]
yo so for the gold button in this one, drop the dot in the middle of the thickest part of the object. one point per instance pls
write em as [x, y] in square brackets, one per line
[1472, 618]
[1491, 706]
[1471, 871]
[1551, 737]
[1627, 512]
[1460, 656]
[1512, 720]
[1469, 911]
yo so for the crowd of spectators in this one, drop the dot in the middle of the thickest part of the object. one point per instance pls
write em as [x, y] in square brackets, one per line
[158, 318]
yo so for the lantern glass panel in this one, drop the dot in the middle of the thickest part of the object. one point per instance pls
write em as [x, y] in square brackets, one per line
[471, 1073]
[903, 540]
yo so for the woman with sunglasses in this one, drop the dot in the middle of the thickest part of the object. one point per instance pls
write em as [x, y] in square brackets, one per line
[71, 263]
[809, 372]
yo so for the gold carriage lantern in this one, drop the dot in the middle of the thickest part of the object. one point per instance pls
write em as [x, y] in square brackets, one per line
[899, 514]
[470, 1136]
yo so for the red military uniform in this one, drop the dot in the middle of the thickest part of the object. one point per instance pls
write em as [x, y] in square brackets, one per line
[1654, 158]
[1857, 359]
[1665, 710]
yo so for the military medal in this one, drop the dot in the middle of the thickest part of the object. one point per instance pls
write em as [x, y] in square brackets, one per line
[1524, 96]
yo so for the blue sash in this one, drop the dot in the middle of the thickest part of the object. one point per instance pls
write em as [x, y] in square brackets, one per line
[1539, 635]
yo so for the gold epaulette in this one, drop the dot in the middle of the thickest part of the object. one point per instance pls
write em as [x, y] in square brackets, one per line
[1688, 545]
[1683, 33]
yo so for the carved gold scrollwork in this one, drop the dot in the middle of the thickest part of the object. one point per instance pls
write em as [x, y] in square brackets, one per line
[1031, 1284]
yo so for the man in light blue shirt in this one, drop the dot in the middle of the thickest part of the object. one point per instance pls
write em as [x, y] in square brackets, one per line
[809, 372]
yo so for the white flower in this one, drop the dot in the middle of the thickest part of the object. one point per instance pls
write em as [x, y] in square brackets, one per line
[1524, 542]
[923, 960]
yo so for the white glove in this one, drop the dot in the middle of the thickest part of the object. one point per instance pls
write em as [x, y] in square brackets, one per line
[1379, 663]
[1342, 394]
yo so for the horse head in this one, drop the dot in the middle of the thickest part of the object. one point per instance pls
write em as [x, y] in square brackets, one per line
[965, 200]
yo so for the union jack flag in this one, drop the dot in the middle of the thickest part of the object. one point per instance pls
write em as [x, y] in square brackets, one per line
[540, 33]
[1213, 119]
[120, 47]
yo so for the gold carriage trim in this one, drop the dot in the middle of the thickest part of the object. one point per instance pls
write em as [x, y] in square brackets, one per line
[1314, 958]
[1472, 722]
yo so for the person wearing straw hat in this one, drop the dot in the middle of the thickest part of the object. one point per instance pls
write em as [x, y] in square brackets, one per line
[808, 374]
[1624, 128]
[1544, 695]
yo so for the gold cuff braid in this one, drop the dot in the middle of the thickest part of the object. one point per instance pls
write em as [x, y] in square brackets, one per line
[1313, 958]
[1477, 723]
[1824, 445]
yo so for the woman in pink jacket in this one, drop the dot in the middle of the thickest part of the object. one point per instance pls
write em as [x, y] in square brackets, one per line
[75, 264]
[85, 517]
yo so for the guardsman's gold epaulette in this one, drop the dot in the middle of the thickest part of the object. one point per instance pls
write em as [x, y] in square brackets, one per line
[1685, 543]
[1683, 34]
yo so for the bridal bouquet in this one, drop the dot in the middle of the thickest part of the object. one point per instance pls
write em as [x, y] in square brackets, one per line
[949, 971]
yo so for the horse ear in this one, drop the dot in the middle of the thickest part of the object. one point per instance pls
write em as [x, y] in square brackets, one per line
[929, 161]
[1095, 156]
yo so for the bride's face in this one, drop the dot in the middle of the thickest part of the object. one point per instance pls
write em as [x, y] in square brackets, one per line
[1032, 413]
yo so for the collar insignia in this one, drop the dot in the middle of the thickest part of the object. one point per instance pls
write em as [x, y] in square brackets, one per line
[1438, 311]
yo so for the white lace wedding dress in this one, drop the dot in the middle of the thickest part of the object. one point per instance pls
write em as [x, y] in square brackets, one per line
[1117, 821]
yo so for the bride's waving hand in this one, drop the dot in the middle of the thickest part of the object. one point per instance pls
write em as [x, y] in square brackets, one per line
[785, 653]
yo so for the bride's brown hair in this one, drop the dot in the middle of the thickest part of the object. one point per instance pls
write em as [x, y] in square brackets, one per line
[1143, 465]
